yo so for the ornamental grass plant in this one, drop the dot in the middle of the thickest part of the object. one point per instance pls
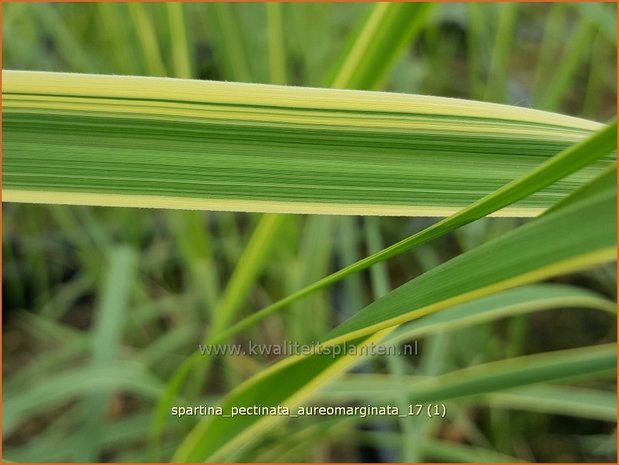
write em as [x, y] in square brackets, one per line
[414, 202]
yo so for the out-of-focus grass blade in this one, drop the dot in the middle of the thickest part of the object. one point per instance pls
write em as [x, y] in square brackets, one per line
[443, 450]
[194, 244]
[116, 32]
[478, 39]
[79, 382]
[497, 74]
[312, 316]
[602, 15]
[250, 264]
[72, 51]
[225, 32]
[59, 446]
[574, 52]
[277, 53]
[107, 337]
[548, 49]
[147, 36]
[254, 256]
[338, 429]
[378, 43]
[491, 377]
[561, 400]
[153, 142]
[178, 34]
[547, 398]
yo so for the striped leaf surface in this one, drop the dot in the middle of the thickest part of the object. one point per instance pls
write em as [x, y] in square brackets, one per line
[157, 142]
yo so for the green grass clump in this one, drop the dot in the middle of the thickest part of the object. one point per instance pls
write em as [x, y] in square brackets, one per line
[145, 216]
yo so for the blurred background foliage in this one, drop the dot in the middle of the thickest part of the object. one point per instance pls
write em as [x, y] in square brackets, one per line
[101, 305]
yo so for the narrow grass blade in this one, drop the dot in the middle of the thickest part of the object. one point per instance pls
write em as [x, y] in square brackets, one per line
[147, 37]
[107, 338]
[373, 50]
[520, 371]
[505, 304]
[251, 262]
[574, 53]
[178, 35]
[477, 38]
[195, 246]
[277, 53]
[558, 400]
[548, 49]
[497, 75]
[116, 33]
[530, 253]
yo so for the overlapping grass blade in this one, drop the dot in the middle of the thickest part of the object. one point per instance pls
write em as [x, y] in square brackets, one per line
[264, 237]
[591, 240]
[559, 166]
[552, 170]
[500, 264]
[604, 181]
